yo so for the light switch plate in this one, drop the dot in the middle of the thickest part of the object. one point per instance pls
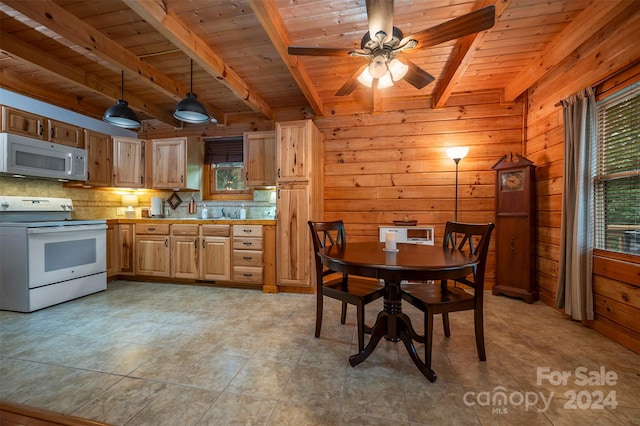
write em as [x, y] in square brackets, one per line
[120, 211]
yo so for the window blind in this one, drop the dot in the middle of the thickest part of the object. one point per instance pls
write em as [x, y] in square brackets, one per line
[223, 150]
[617, 172]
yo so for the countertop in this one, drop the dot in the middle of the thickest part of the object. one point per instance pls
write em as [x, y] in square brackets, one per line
[195, 220]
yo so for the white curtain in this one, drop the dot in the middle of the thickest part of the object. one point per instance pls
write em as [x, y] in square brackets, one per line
[575, 292]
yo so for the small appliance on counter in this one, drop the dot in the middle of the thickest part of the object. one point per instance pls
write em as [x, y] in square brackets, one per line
[156, 207]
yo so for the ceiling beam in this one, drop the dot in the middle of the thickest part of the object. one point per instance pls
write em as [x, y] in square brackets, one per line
[18, 83]
[19, 48]
[167, 23]
[58, 20]
[465, 49]
[595, 16]
[271, 21]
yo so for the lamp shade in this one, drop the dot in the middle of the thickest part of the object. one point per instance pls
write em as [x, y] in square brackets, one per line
[190, 110]
[457, 152]
[121, 115]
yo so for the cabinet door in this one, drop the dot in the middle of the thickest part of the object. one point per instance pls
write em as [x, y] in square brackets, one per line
[215, 260]
[23, 123]
[260, 158]
[128, 162]
[152, 255]
[184, 257]
[293, 242]
[112, 250]
[99, 150]
[66, 134]
[169, 163]
[125, 244]
[293, 145]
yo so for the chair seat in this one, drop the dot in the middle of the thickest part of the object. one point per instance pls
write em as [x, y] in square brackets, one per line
[432, 294]
[360, 287]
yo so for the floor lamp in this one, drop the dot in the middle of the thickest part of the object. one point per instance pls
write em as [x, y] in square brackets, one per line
[457, 153]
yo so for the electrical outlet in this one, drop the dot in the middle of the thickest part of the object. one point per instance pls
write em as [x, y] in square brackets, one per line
[120, 211]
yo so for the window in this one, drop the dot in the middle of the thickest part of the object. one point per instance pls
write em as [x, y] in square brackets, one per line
[617, 172]
[223, 169]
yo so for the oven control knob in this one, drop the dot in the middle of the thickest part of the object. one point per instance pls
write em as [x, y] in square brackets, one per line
[5, 204]
[69, 206]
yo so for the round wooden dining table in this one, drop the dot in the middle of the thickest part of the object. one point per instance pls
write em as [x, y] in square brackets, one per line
[415, 262]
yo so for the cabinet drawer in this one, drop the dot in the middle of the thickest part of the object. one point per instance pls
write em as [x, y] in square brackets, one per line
[247, 274]
[247, 258]
[152, 229]
[187, 230]
[254, 231]
[240, 243]
[215, 230]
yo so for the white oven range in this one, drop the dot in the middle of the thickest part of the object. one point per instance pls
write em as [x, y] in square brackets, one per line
[45, 257]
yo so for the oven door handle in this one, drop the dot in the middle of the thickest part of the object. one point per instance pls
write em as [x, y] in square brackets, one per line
[65, 228]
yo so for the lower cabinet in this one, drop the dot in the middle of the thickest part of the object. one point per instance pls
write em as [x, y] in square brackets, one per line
[247, 254]
[226, 253]
[215, 256]
[152, 249]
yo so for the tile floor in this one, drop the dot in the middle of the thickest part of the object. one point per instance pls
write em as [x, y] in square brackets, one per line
[163, 354]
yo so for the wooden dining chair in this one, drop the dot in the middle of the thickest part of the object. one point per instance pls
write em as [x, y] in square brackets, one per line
[444, 298]
[351, 289]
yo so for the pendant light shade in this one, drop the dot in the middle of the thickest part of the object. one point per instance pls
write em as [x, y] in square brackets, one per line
[190, 110]
[120, 114]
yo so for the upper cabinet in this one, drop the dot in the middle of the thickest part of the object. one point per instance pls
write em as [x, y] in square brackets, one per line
[295, 141]
[99, 158]
[259, 152]
[35, 126]
[177, 163]
[128, 163]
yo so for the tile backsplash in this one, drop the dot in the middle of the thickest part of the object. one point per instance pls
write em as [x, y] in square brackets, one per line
[108, 203]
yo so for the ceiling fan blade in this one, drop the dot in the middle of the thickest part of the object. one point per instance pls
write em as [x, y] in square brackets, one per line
[474, 22]
[380, 14]
[351, 83]
[318, 51]
[416, 76]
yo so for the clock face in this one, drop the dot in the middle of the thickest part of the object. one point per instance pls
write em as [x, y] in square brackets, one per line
[512, 181]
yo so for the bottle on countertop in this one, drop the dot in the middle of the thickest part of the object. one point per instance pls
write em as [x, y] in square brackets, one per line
[243, 212]
[205, 212]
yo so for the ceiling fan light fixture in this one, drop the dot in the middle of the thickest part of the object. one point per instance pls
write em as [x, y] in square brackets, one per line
[190, 110]
[385, 81]
[378, 67]
[398, 69]
[120, 114]
[365, 78]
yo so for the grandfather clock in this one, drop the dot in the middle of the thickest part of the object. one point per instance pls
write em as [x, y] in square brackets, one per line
[515, 228]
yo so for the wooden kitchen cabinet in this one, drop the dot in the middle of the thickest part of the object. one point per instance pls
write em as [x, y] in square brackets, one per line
[259, 152]
[247, 254]
[152, 250]
[177, 163]
[125, 233]
[36, 126]
[184, 251]
[99, 158]
[128, 163]
[215, 255]
[65, 134]
[112, 250]
[23, 123]
[298, 200]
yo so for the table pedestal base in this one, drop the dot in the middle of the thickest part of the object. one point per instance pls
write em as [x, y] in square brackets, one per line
[393, 325]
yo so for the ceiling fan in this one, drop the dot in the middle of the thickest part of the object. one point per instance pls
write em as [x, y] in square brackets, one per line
[383, 42]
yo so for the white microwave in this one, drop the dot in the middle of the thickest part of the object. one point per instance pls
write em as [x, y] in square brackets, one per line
[409, 234]
[24, 156]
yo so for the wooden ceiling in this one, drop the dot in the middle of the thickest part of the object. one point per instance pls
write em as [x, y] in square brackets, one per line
[70, 53]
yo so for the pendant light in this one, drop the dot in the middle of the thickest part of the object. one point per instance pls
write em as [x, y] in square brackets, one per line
[190, 110]
[120, 114]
